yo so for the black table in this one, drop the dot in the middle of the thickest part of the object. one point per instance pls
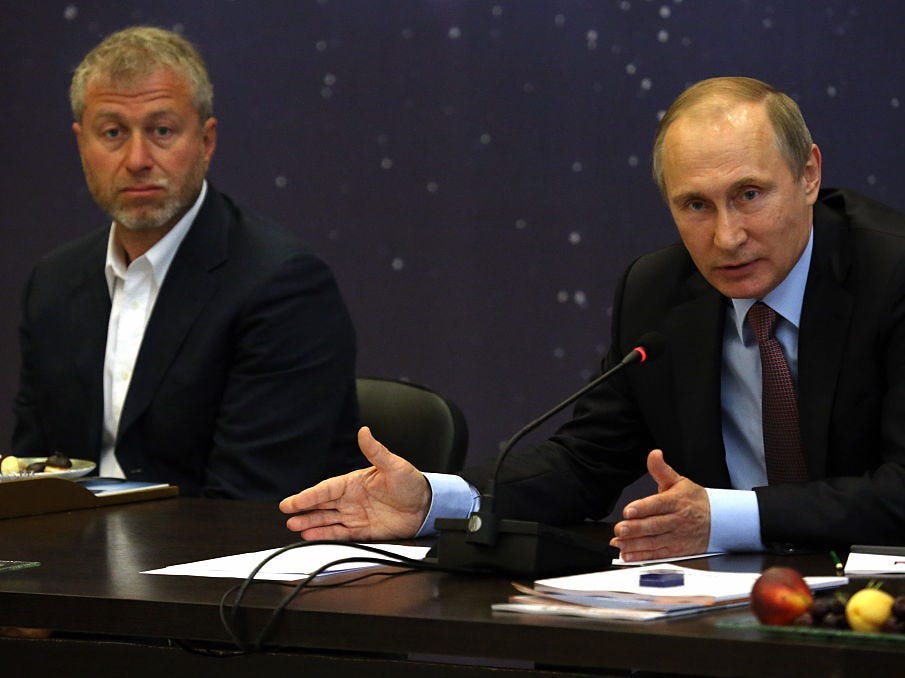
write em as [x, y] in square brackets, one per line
[111, 620]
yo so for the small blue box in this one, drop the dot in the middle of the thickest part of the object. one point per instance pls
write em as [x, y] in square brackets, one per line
[662, 578]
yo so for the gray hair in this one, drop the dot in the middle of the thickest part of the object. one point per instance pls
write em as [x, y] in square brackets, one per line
[129, 55]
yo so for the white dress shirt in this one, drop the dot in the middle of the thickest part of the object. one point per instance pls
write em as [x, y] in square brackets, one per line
[133, 290]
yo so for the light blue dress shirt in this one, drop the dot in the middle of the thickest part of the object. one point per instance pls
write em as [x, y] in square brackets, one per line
[734, 517]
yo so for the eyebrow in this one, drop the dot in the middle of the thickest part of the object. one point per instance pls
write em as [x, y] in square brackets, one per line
[736, 185]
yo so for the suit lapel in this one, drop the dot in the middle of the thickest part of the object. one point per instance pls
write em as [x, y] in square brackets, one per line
[190, 283]
[825, 319]
[88, 311]
[695, 331]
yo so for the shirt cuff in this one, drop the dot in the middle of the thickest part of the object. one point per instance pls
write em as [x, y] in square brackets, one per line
[451, 497]
[734, 521]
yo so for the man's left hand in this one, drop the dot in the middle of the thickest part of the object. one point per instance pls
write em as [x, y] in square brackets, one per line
[674, 522]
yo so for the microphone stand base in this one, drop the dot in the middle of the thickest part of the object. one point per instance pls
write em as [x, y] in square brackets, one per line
[525, 549]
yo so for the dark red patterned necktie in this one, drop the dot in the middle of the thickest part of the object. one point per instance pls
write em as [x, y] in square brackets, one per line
[782, 434]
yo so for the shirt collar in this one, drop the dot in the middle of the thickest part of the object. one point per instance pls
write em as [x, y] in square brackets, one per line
[787, 298]
[160, 256]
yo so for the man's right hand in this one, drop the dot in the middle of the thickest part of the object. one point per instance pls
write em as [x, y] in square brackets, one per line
[389, 500]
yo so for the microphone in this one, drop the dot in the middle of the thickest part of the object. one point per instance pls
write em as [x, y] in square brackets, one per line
[486, 541]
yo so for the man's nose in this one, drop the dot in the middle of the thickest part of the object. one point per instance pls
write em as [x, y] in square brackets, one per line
[729, 231]
[138, 154]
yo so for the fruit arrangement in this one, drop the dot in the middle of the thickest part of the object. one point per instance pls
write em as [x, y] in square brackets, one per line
[781, 597]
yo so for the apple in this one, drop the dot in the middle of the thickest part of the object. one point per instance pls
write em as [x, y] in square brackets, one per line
[779, 596]
[868, 609]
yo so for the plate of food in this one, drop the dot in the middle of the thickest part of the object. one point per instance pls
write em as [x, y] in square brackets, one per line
[58, 465]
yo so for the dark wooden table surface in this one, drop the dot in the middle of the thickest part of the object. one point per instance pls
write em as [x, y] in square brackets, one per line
[106, 614]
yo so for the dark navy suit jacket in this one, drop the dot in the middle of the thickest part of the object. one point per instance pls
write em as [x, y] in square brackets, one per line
[244, 385]
[851, 373]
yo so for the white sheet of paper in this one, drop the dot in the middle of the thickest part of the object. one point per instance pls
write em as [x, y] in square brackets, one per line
[874, 563]
[654, 561]
[294, 564]
[720, 586]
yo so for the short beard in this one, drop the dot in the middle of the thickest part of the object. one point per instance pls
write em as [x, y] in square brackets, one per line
[135, 220]
[151, 216]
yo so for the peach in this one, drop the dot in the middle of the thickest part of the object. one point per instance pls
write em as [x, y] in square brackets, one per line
[779, 596]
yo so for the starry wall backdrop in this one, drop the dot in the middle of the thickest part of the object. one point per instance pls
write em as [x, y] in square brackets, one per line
[475, 172]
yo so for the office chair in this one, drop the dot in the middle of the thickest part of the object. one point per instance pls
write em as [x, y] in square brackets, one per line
[414, 422]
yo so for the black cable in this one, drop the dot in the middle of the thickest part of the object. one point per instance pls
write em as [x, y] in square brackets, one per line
[230, 622]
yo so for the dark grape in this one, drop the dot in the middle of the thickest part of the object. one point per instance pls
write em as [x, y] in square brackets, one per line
[834, 620]
[898, 608]
[821, 607]
[893, 625]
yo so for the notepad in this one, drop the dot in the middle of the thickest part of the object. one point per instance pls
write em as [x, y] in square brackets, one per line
[866, 560]
[620, 595]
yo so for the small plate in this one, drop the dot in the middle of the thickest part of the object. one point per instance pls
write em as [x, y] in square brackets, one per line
[80, 467]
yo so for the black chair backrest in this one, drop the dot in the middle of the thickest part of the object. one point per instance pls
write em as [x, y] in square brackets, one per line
[414, 422]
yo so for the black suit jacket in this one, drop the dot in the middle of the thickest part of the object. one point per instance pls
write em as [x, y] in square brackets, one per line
[244, 385]
[851, 392]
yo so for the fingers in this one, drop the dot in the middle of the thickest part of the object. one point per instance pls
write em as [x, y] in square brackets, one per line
[322, 493]
[662, 473]
[314, 520]
[373, 449]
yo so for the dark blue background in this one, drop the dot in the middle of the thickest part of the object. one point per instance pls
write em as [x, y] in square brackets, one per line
[476, 173]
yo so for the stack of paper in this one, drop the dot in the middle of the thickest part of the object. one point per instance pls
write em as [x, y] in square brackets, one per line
[619, 594]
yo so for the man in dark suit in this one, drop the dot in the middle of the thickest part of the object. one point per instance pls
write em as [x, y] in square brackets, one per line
[190, 342]
[801, 440]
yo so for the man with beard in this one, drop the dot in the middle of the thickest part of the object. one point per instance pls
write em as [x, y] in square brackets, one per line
[189, 342]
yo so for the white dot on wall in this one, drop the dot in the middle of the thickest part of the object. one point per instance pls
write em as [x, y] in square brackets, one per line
[646, 84]
[397, 264]
[281, 181]
[386, 163]
[497, 10]
[625, 5]
[665, 12]
[686, 41]
[767, 23]
[559, 353]
[631, 69]
[633, 161]
[70, 13]
[574, 238]
[663, 36]
[831, 91]
[894, 102]
[485, 139]
[329, 79]
[455, 33]
[520, 224]
[559, 20]
[580, 298]
[432, 187]
[660, 114]
[321, 45]
[591, 35]
[871, 179]
[562, 296]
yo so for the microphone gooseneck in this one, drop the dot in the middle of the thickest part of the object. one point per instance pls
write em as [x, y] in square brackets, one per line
[483, 525]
